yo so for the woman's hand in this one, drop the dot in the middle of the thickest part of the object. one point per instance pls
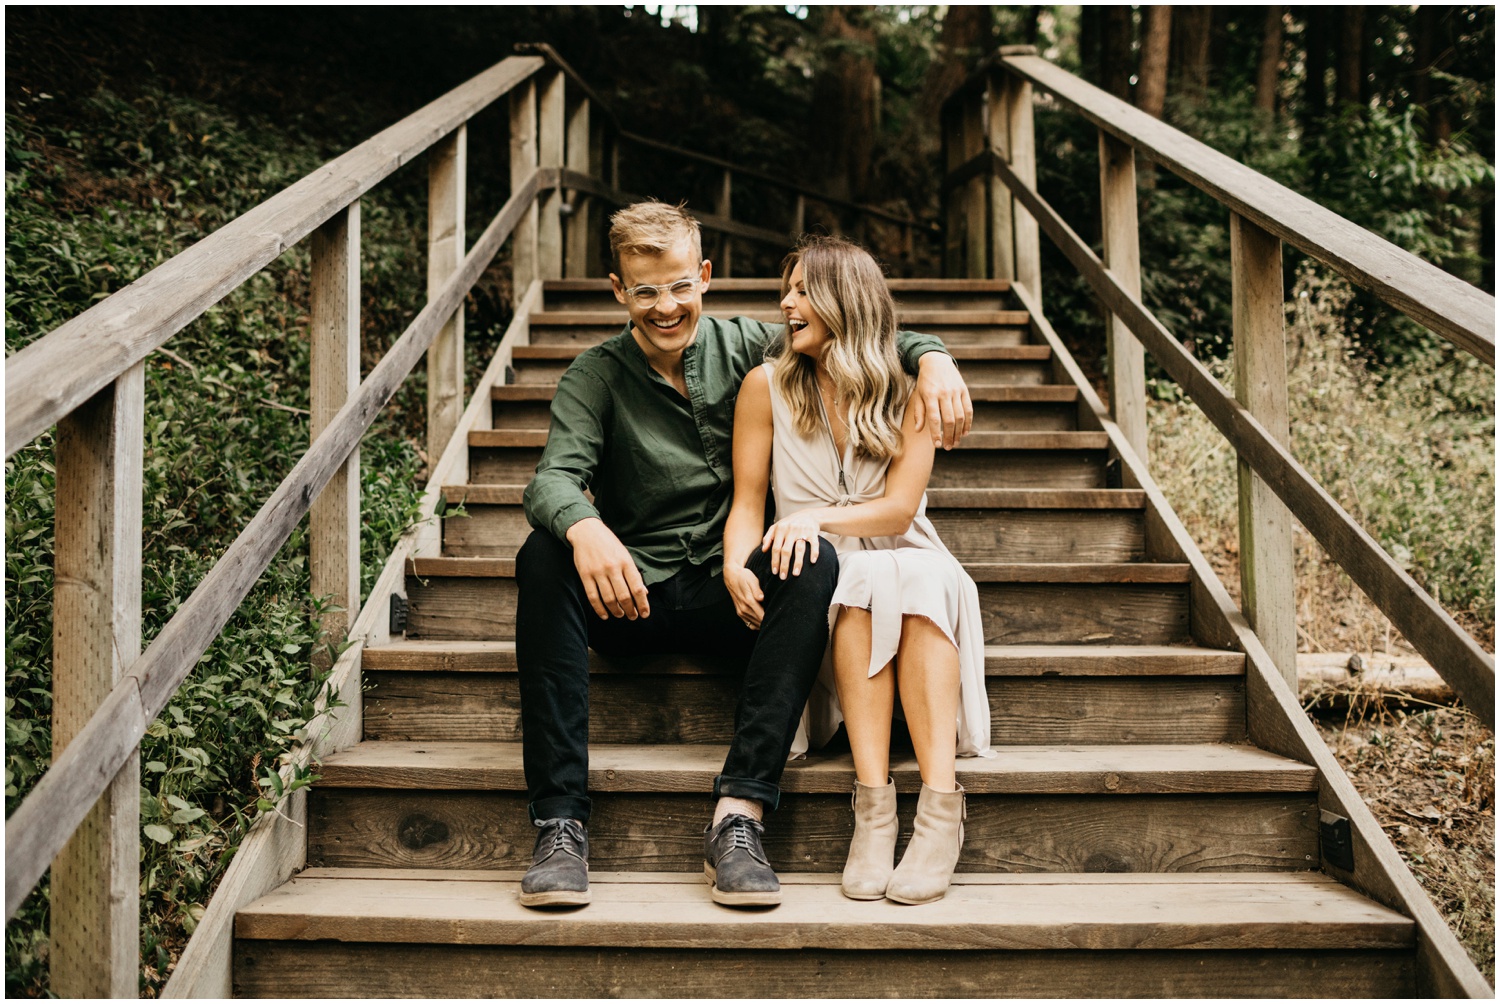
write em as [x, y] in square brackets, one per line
[789, 540]
[744, 589]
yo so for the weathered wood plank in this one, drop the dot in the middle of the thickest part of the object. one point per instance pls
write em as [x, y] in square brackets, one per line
[1315, 913]
[56, 373]
[1469, 670]
[280, 969]
[415, 655]
[523, 163]
[1036, 834]
[94, 921]
[55, 807]
[1120, 769]
[681, 708]
[1122, 256]
[1445, 303]
[551, 133]
[333, 522]
[1268, 584]
[447, 197]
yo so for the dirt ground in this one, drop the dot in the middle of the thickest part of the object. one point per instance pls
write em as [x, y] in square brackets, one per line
[1428, 774]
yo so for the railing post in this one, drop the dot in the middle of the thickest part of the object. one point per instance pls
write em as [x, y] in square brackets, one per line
[334, 518]
[1023, 162]
[975, 204]
[724, 206]
[1267, 577]
[1002, 219]
[577, 227]
[523, 160]
[96, 635]
[1122, 256]
[447, 168]
[552, 130]
[951, 126]
[799, 215]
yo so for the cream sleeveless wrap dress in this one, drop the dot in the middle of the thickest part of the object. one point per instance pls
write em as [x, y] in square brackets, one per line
[912, 573]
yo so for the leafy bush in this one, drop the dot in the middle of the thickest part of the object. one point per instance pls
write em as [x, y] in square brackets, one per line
[89, 210]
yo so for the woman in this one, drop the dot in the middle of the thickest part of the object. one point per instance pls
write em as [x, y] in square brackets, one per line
[827, 423]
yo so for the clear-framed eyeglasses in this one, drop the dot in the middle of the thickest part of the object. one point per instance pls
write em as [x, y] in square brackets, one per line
[646, 296]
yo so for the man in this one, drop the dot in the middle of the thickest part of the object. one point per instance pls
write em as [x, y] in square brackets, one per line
[644, 421]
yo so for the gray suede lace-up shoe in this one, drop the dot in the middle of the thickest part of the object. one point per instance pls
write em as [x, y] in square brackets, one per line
[559, 872]
[736, 866]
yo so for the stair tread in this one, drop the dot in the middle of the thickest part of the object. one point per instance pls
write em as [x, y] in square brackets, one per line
[436, 655]
[673, 910]
[959, 352]
[771, 315]
[982, 393]
[973, 441]
[772, 283]
[1120, 768]
[980, 571]
[937, 498]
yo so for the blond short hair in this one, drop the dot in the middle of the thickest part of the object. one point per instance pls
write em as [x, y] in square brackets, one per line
[652, 228]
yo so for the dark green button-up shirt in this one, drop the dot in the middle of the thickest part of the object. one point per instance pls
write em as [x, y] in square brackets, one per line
[658, 464]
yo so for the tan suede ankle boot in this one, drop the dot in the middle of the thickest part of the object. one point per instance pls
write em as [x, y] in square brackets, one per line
[872, 852]
[938, 835]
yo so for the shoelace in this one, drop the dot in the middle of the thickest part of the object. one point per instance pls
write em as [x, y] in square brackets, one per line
[742, 833]
[567, 836]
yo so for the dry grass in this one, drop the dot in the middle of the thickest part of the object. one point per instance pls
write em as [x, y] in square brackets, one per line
[1410, 454]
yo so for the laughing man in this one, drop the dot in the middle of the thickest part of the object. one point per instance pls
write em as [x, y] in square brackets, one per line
[644, 421]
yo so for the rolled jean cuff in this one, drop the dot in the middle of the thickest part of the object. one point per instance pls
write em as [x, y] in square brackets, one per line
[763, 792]
[561, 807]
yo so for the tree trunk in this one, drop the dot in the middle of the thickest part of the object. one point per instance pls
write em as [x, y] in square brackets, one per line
[1114, 50]
[1089, 20]
[967, 35]
[1315, 36]
[1190, 44]
[1268, 70]
[1350, 49]
[845, 101]
[1156, 37]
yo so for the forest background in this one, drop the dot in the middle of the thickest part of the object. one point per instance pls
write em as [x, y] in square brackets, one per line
[133, 132]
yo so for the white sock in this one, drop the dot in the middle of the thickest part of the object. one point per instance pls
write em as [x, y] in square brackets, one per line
[738, 806]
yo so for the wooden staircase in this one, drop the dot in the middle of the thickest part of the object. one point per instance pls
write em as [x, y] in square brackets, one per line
[1126, 841]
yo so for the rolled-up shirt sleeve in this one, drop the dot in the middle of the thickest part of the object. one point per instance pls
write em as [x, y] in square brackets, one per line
[912, 346]
[555, 499]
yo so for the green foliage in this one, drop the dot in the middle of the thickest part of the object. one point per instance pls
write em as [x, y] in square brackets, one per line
[89, 210]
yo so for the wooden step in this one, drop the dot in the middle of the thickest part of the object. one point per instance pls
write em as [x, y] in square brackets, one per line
[999, 660]
[485, 529]
[937, 498]
[1267, 832]
[646, 707]
[475, 598]
[997, 407]
[1051, 460]
[973, 441]
[345, 933]
[998, 364]
[1015, 770]
[726, 297]
[1041, 808]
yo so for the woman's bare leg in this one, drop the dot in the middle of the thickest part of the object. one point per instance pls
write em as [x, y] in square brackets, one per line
[868, 701]
[927, 673]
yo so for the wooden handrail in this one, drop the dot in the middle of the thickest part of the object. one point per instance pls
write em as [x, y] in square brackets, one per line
[1466, 667]
[37, 830]
[1461, 313]
[58, 372]
[709, 221]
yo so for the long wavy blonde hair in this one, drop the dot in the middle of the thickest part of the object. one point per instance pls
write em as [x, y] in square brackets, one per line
[846, 288]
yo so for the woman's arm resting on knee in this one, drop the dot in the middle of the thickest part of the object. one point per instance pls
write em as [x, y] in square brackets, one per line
[752, 476]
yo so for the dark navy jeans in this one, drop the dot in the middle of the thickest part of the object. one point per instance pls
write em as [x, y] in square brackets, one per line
[691, 614]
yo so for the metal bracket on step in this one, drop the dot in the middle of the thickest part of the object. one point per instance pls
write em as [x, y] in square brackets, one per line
[399, 608]
[1337, 840]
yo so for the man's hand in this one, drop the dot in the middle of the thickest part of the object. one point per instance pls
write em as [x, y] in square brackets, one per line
[942, 400]
[744, 589]
[610, 579]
